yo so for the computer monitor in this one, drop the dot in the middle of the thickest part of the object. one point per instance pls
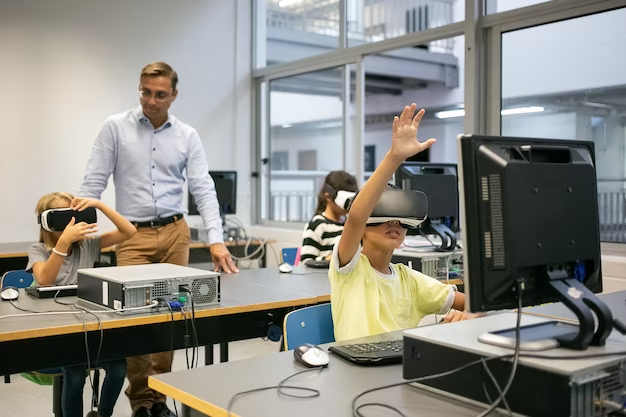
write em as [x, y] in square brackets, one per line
[530, 214]
[226, 188]
[440, 184]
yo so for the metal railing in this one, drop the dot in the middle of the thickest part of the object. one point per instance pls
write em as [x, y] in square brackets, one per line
[298, 207]
[369, 21]
[612, 209]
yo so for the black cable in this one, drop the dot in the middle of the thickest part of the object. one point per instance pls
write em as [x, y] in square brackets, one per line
[356, 410]
[193, 327]
[196, 347]
[497, 386]
[171, 340]
[518, 328]
[182, 310]
[73, 305]
[280, 388]
[25, 310]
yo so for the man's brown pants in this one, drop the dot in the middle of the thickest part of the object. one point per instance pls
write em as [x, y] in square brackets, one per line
[167, 244]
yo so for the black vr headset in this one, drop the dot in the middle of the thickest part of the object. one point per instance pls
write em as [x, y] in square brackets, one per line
[407, 207]
[55, 220]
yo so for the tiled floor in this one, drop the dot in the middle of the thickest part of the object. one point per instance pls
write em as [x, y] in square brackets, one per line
[26, 399]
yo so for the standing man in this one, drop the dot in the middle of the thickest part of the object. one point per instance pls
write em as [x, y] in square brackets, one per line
[147, 149]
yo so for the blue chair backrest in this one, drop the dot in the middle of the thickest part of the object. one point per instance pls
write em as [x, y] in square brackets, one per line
[17, 279]
[309, 325]
[291, 256]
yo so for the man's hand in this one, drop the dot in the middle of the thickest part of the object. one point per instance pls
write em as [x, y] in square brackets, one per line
[222, 259]
[80, 204]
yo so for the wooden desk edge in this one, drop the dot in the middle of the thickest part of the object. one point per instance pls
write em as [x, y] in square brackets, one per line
[164, 317]
[192, 245]
[189, 400]
[547, 316]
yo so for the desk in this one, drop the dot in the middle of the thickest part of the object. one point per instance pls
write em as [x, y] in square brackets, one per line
[207, 391]
[615, 300]
[14, 255]
[250, 301]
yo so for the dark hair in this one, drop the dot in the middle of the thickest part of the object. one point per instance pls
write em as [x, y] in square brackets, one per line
[335, 181]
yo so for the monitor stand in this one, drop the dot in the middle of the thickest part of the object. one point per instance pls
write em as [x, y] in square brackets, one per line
[447, 236]
[582, 302]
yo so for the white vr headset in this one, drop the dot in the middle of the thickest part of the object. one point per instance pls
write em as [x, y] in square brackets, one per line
[407, 207]
[55, 220]
[344, 199]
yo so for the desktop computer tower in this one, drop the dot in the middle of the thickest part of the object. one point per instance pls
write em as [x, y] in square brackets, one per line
[541, 388]
[124, 287]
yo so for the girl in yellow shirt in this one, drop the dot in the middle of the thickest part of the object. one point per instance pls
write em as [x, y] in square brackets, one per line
[369, 295]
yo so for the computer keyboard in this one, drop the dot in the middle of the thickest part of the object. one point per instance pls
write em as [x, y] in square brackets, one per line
[390, 346]
[374, 353]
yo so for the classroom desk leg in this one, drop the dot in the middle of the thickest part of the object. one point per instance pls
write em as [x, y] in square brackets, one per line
[185, 411]
[224, 352]
[208, 355]
[57, 386]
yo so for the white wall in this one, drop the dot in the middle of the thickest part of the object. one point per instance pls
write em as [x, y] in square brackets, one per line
[68, 64]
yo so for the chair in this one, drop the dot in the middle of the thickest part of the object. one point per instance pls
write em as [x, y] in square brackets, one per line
[291, 256]
[23, 279]
[312, 325]
[17, 279]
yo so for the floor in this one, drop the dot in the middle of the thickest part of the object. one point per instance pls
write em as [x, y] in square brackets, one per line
[26, 399]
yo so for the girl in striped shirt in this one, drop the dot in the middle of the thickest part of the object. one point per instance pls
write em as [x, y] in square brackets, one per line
[324, 229]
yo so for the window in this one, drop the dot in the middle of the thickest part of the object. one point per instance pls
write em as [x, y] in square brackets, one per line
[565, 80]
[429, 75]
[306, 134]
[288, 30]
[279, 161]
[377, 20]
[499, 6]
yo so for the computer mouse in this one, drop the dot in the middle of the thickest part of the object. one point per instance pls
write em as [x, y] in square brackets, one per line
[9, 294]
[285, 268]
[311, 356]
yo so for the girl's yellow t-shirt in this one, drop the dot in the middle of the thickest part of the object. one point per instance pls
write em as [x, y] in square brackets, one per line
[365, 302]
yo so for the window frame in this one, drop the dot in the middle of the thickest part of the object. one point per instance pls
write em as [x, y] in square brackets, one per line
[483, 74]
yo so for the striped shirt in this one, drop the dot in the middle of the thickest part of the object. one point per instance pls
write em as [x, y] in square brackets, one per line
[319, 238]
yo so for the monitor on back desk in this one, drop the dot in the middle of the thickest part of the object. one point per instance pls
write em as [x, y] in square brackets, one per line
[440, 184]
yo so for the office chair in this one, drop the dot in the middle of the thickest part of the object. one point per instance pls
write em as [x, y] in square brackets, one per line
[17, 279]
[291, 256]
[312, 325]
[23, 279]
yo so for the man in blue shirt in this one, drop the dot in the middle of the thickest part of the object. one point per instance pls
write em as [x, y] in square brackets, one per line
[147, 149]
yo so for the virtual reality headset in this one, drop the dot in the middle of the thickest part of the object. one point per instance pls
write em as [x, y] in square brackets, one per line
[407, 207]
[344, 199]
[55, 220]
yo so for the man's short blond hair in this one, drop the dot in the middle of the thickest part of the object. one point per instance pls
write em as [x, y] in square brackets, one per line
[160, 69]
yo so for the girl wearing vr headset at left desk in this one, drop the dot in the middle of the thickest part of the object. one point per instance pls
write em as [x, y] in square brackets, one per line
[324, 229]
[64, 247]
[369, 294]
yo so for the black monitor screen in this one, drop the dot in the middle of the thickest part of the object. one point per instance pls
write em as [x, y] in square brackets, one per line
[226, 188]
[530, 213]
[440, 184]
